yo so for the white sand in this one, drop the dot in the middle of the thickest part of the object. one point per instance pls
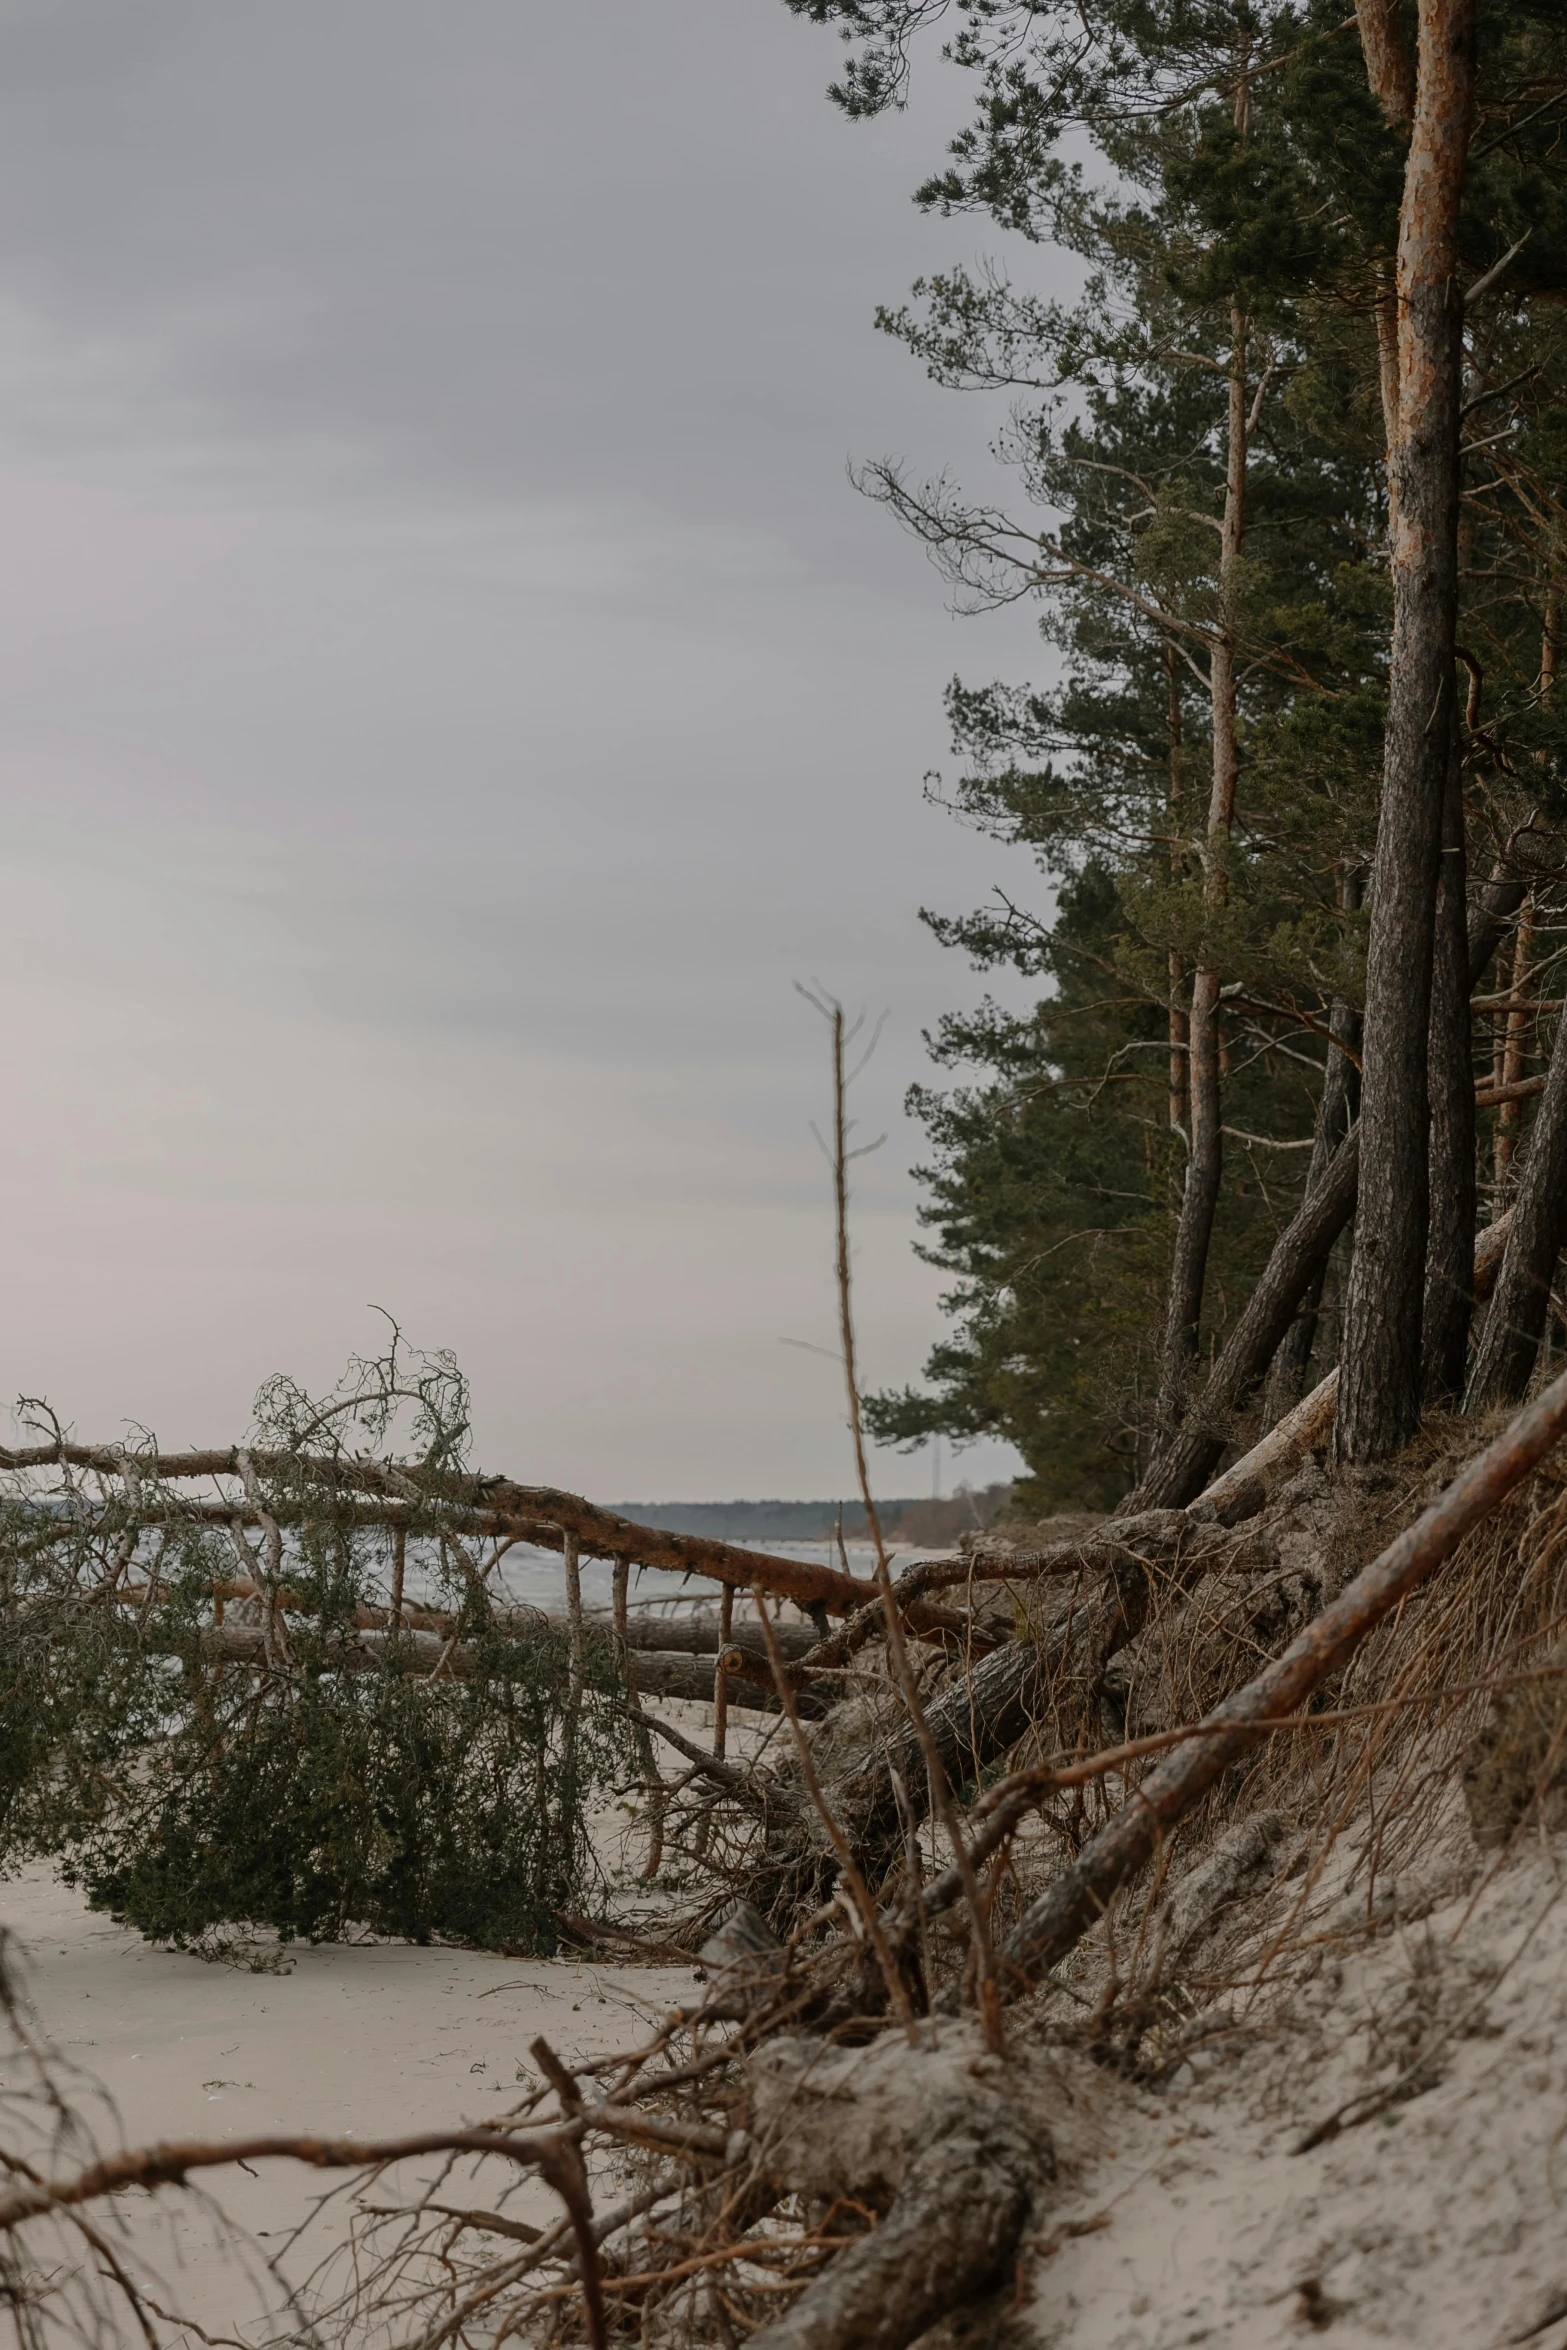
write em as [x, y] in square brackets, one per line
[1441, 2222]
[377, 2040]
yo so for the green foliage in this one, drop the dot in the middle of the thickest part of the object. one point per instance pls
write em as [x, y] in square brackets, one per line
[385, 1800]
[1248, 206]
[198, 1759]
[1050, 1195]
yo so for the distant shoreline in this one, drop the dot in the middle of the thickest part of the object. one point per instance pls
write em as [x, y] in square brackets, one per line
[917, 1518]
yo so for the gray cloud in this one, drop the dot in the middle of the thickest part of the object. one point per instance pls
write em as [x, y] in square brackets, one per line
[448, 691]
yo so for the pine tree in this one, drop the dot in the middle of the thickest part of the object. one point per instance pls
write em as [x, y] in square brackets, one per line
[1207, 434]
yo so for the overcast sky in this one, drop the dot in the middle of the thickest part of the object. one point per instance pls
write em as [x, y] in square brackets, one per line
[448, 692]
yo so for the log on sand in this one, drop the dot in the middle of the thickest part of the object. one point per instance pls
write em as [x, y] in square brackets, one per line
[694, 1631]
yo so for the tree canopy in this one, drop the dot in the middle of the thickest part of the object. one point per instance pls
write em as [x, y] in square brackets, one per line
[1203, 509]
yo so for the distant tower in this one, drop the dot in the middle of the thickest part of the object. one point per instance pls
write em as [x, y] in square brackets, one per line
[935, 1466]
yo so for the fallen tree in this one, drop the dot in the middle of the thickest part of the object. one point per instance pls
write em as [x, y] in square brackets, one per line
[404, 1496]
[651, 1671]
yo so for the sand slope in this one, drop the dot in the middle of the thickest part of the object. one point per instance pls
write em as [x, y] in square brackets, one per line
[1437, 2217]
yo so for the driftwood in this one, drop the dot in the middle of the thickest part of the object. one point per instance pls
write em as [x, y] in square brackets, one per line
[698, 1631]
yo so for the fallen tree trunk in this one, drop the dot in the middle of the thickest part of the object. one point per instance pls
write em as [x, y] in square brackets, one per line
[540, 1514]
[1058, 1919]
[694, 1632]
[983, 1714]
[656, 1673]
[1177, 1475]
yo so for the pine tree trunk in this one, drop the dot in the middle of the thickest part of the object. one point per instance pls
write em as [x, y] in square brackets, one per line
[1380, 1390]
[1179, 1041]
[1449, 1285]
[1512, 1041]
[1205, 1156]
[1389, 69]
[1199, 1199]
[1180, 1472]
[1510, 1342]
[1335, 1111]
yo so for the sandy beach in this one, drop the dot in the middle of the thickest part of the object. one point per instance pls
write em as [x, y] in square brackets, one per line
[371, 2039]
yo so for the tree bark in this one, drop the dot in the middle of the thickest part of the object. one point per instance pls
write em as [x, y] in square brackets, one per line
[1180, 1472]
[1499, 900]
[1379, 1398]
[1510, 1342]
[1199, 1199]
[1512, 1048]
[1335, 1113]
[1179, 1040]
[1205, 1136]
[1389, 69]
[1449, 1283]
